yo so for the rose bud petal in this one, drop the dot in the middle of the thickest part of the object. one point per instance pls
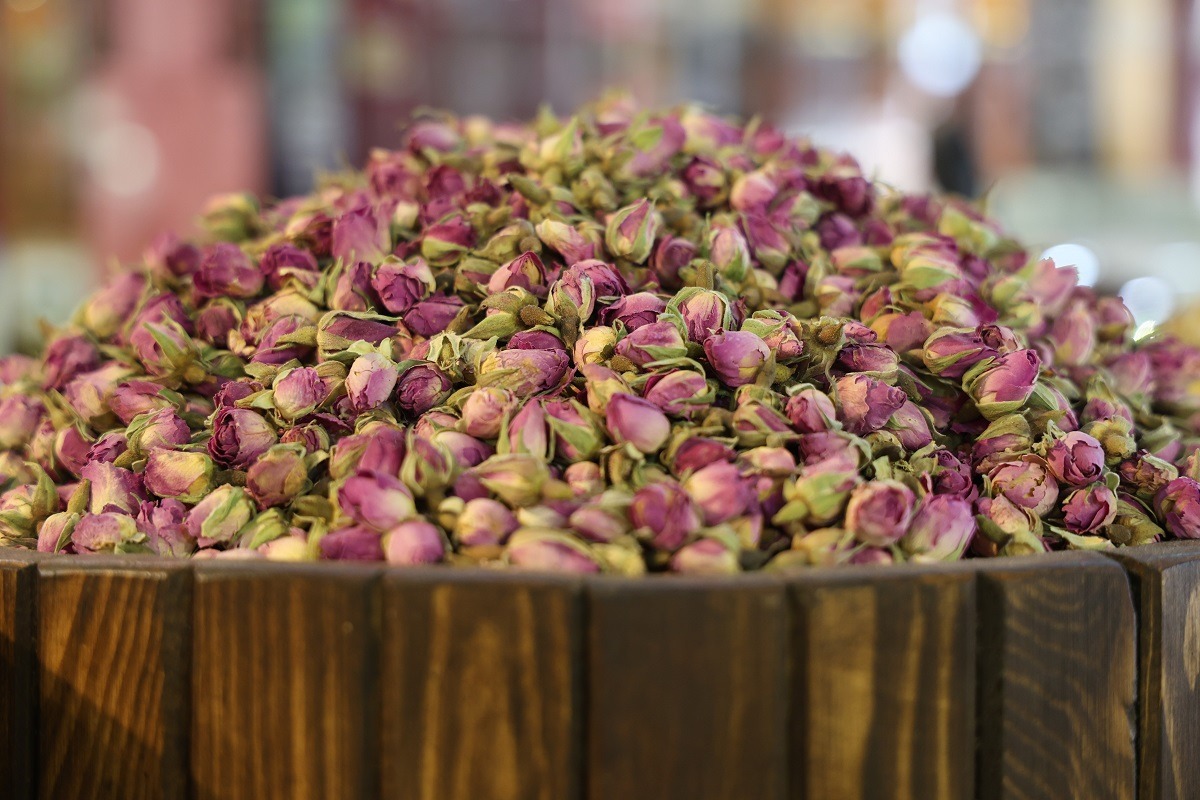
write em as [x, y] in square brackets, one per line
[549, 551]
[666, 512]
[431, 317]
[736, 356]
[719, 490]
[163, 524]
[106, 533]
[484, 411]
[671, 255]
[866, 403]
[467, 451]
[187, 477]
[1076, 459]
[483, 522]
[444, 242]
[708, 556]
[220, 516]
[1178, 504]
[572, 245]
[635, 310]
[534, 340]
[879, 512]
[352, 290]
[414, 542]
[352, 544]
[911, 427]
[421, 387]
[226, 271]
[1026, 482]
[941, 529]
[636, 421]
[360, 235]
[1089, 509]
[240, 435]
[376, 500]
[278, 476]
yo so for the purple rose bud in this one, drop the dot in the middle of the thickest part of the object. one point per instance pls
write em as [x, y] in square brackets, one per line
[1073, 334]
[19, 417]
[431, 317]
[483, 522]
[484, 411]
[1026, 482]
[216, 319]
[635, 310]
[753, 191]
[299, 392]
[1001, 385]
[706, 181]
[578, 434]
[111, 307]
[70, 449]
[400, 286]
[162, 428]
[572, 245]
[736, 356]
[811, 411]
[414, 542]
[421, 387]
[113, 488]
[240, 435]
[284, 263]
[636, 421]
[352, 291]
[167, 255]
[631, 230]
[360, 235]
[1147, 474]
[667, 512]
[682, 393]
[525, 271]
[528, 372]
[550, 551]
[54, 528]
[600, 521]
[467, 451]
[226, 271]
[719, 490]
[312, 437]
[376, 500]
[278, 476]
[370, 381]
[728, 251]
[67, 357]
[709, 556]
[1089, 509]
[911, 427]
[1178, 504]
[1133, 373]
[606, 280]
[704, 313]
[352, 544]
[698, 451]
[187, 477]
[671, 255]
[528, 432]
[444, 242]
[104, 533]
[657, 341]
[950, 352]
[941, 529]
[534, 340]
[1076, 459]
[163, 524]
[871, 556]
[385, 449]
[879, 512]
[109, 447]
[867, 403]
[768, 244]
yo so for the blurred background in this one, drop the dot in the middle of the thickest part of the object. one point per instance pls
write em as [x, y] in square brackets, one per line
[1074, 120]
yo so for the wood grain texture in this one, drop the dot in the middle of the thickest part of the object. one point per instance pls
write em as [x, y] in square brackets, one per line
[18, 674]
[1166, 584]
[480, 686]
[884, 683]
[113, 651]
[1057, 644]
[286, 682]
[687, 689]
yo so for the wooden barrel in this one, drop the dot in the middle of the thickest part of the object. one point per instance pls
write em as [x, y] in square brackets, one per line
[1072, 675]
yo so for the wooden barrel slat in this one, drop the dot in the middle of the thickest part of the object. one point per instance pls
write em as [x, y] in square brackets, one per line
[1166, 582]
[18, 674]
[285, 686]
[481, 686]
[687, 685]
[1057, 673]
[113, 645]
[884, 683]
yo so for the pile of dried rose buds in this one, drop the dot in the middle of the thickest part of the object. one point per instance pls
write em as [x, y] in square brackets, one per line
[618, 342]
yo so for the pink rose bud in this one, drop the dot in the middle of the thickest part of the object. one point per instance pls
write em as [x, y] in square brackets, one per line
[109, 447]
[484, 411]
[657, 341]
[719, 490]
[370, 381]
[1001, 385]
[168, 256]
[19, 417]
[467, 451]
[414, 542]
[163, 524]
[528, 432]
[867, 403]
[709, 556]
[681, 393]
[360, 235]
[728, 251]
[105, 533]
[1076, 459]
[352, 291]
[109, 309]
[667, 512]
[226, 271]
[736, 356]
[444, 242]
[285, 264]
[578, 433]
[240, 435]
[638, 422]
[706, 181]
[1089, 509]
[911, 427]
[703, 312]
[1073, 334]
[376, 500]
[572, 245]
[1178, 503]
[534, 340]
[767, 242]
[526, 271]
[113, 488]
[631, 230]
[635, 310]
[298, 393]
[1026, 482]
[941, 529]
[220, 516]
[71, 448]
[352, 544]
[549, 551]
[811, 411]
[607, 281]
[400, 286]
[950, 352]
[671, 255]
[67, 357]
[421, 387]
[432, 316]
[879, 512]
[528, 372]
[278, 476]
[187, 477]
[483, 522]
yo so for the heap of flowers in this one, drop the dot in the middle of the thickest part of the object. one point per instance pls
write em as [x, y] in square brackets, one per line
[622, 341]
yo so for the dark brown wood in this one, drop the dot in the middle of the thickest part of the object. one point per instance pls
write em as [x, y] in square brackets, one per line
[1166, 587]
[18, 674]
[480, 686]
[113, 653]
[286, 682]
[884, 683]
[687, 689]
[1057, 643]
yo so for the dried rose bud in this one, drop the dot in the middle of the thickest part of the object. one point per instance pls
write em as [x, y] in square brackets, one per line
[113, 488]
[483, 522]
[527, 372]
[866, 404]
[666, 512]
[578, 433]
[88, 394]
[879, 512]
[719, 490]
[71, 449]
[414, 542]
[1076, 458]
[226, 271]
[941, 529]
[736, 356]
[352, 289]
[184, 476]
[682, 393]
[526, 271]
[466, 451]
[56, 531]
[1026, 482]
[636, 421]
[240, 435]
[298, 392]
[527, 431]
[1147, 474]
[1089, 509]
[352, 544]
[568, 241]
[707, 556]
[1001, 385]
[1178, 504]
[106, 533]
[337, 330]
[911, 427]
[585, 478]
[729, 252]
[370, 381]
[657, 341]
[360, 235]
[109, 447]
[444, 242]
[401, 285]
[950, 352]
[286, 264]
[484, 411]
[278, 476]
[19, 417]
[550, 551]
[631, 231]
[163, 523]
[107, 311]
[67, 357]
[810, 411]
[703, 312]
[595, 346]
[220, 516]
[670, 256]
[376, 500]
